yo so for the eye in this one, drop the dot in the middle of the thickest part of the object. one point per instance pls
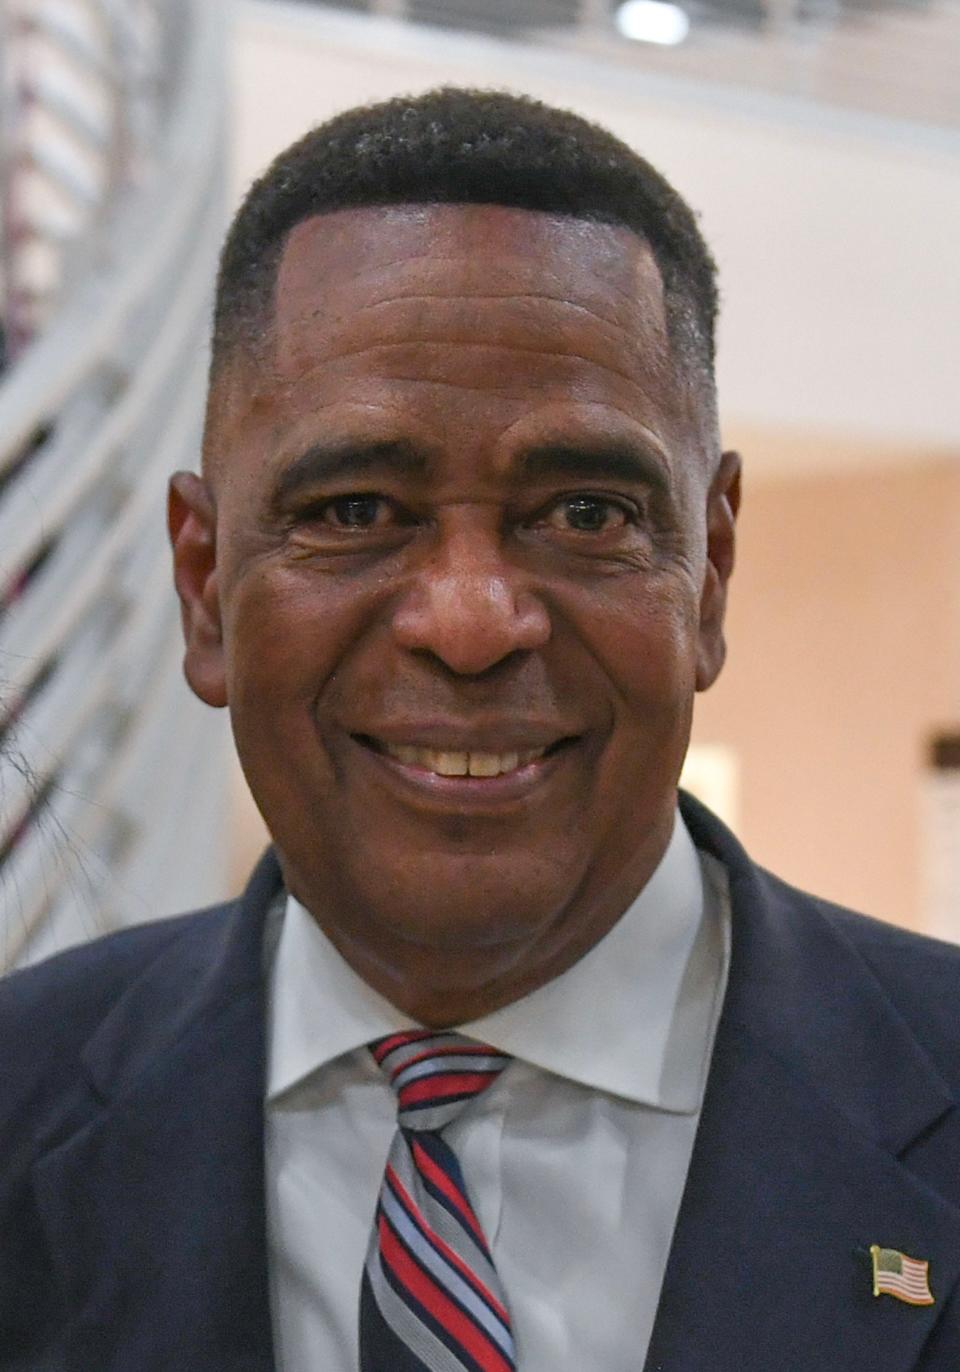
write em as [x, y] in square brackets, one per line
[358, 510]
[587, 514]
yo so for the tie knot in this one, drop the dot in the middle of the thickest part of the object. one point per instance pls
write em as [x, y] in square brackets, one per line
[435, 1074]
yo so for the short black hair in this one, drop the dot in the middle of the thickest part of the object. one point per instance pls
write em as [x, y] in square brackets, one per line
[460, 146]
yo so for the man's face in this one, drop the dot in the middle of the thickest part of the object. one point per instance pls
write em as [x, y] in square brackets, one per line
[459, 576]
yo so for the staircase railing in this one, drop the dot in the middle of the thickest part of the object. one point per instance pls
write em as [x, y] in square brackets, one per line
[111, 174]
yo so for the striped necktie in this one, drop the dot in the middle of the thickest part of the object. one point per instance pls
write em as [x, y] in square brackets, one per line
[430, 1299]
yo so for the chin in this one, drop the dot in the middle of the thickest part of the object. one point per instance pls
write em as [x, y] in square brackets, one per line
[477, 911]
[464, 903]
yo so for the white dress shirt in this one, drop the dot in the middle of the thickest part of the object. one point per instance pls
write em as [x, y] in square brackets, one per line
[575, 1158]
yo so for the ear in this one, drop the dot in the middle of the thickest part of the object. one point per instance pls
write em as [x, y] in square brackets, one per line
[723, 504]
[192, 524]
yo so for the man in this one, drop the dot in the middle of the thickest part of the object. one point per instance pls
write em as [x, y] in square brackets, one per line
[457, 564]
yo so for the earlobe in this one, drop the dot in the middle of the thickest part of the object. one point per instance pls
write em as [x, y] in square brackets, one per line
[723, 505]
[191, 521]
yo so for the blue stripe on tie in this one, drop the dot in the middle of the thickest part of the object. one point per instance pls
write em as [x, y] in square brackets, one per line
[446, 1160]
[424, 1315]
[430, 1302]
[448, 1065]
[381, 1347]
[427, 1256]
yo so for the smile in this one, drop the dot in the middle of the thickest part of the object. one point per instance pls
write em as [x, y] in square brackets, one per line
[456, 763]
[469, 764]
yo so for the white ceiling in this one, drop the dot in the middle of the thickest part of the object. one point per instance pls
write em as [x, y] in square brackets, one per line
[836, 232]
[890, 57]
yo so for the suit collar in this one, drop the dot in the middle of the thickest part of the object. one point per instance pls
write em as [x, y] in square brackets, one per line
[817, 1090]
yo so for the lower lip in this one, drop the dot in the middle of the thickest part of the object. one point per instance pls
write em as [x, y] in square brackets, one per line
[468, 790]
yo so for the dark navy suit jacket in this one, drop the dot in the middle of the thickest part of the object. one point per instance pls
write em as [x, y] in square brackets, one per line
[131, 1148]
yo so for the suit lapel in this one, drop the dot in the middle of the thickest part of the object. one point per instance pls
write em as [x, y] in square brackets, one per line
[152, 1194]
[816, 1092]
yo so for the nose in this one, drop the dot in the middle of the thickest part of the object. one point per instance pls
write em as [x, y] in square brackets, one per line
[467, 607]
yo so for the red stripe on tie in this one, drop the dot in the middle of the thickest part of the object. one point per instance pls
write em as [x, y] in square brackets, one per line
[435, 1300]
[419, 1219]
[432, 1173]
[438, 1088]
[387, 1045]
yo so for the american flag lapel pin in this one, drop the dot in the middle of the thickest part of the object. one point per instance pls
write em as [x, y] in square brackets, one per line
[894, 1274]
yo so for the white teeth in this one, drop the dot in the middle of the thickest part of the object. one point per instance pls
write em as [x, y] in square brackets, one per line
[448, 764]
[452, 763]
[486, 765]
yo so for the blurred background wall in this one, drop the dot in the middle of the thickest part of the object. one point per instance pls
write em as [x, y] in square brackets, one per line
[819, 141]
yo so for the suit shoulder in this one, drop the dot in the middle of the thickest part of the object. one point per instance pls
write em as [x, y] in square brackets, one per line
[904, 952]
[898, 954]
[49, 1010]
[920, 976]
[93, 973]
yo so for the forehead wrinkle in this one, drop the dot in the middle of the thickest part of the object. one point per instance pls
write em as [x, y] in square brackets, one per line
[532, 281]
[448, 302]
[293, 276]
[447, 346]
[425, 271]
[613, 332]
[491, 297]
[634, 270]
[480, 317]
[615, 343]
[257, 395]
[396, 375]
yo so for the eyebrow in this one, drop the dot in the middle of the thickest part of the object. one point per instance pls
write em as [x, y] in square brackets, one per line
[333, 461]
[618, 460]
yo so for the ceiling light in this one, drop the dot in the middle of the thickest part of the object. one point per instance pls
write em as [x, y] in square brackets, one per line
[652, 21]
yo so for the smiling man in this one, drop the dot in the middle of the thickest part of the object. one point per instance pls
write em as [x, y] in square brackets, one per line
[501, 1062]
[486, 532]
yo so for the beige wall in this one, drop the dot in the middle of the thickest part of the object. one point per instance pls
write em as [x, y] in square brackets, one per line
[844, 637]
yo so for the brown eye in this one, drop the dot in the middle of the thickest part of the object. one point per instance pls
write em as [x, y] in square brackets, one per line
[588, 514]
[356, 511]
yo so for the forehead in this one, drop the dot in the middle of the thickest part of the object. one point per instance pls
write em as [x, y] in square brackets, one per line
[467, 329]
[475, 273]
[362, 247]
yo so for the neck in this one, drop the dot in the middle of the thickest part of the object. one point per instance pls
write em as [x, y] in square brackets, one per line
[442, 984]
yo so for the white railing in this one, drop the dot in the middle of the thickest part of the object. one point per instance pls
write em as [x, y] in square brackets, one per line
[111, 779]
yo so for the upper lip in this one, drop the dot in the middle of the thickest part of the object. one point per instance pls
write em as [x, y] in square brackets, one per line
[506, 737]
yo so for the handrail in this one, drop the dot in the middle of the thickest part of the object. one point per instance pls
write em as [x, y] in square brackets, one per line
[96, 410]
[147, 231]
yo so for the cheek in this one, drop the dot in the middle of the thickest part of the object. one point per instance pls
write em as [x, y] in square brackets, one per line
[645, 639]
[286, 631]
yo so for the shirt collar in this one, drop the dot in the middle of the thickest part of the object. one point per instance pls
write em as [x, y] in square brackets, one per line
[635, 1016]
